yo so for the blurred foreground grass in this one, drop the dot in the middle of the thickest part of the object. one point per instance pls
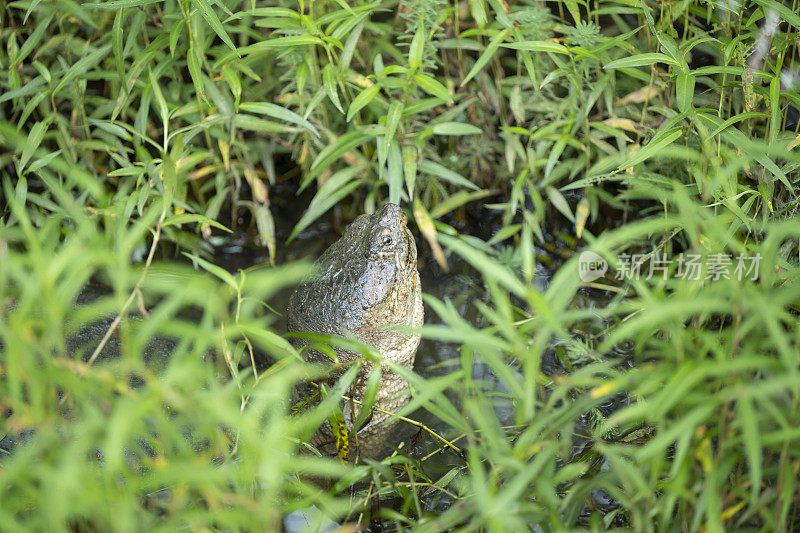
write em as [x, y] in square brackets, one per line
[137, 133]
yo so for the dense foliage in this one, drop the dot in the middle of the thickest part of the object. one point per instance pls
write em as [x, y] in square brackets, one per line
[136, 135]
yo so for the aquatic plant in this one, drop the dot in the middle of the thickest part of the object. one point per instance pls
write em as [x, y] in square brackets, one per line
[616, 182]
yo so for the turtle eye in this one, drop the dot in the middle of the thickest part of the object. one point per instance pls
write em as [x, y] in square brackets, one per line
[383, 242]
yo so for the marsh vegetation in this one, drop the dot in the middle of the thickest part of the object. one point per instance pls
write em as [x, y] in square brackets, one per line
[169, 168]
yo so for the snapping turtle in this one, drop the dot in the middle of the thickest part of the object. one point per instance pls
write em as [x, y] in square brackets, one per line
[365, 281]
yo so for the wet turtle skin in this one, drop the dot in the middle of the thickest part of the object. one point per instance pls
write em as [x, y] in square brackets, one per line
[365, 281]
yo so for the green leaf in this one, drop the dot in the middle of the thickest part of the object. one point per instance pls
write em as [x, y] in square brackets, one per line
[43, 70]
[196, 72]
[266, 228]
[487, 54]
[641, 60]
[572, 6]
[220, 99]
[279, 42]
[119, 4]
[560, 203]
[271, 342]
[395, 172]
[456, 128]
[483, 263]
[268, 12]
[350, 46]
[736, 138]
[684, 91]
[174, 34]
[775, 108]
[748, 419]
[334, 151]
[30, 9]
[417, 47]
[83, 66]
[276, 111]
[29, 88]
[315, 101]
[31, 42]
[392, 121]
[428, 230]
[315, 416]
[175, 220]
[363, 98]
[658, 143]
[410, 156]
[32, 104]
[35, 137]
[538, 46]
[431, 86]
[21, 190]
[338, 186]
[737, 118]
[785, 11]
[217, 271]
[211, 17]
[163, 110]
[169, 178]
[116, 43]
[370, 394]
[127, 171]
[329, 82]
[43, 161]
[234, 84]
[437, 170]
[458, 199]
[249, 122]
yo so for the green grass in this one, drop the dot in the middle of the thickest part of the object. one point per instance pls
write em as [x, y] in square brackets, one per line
[135, 136]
